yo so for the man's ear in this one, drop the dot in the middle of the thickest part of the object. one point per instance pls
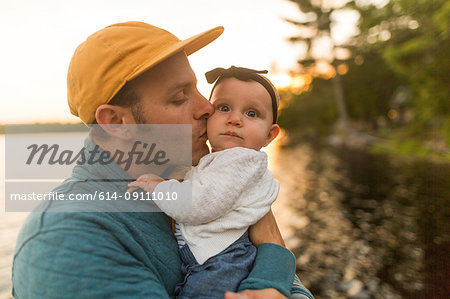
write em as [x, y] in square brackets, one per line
[114, 120]
[274, 131]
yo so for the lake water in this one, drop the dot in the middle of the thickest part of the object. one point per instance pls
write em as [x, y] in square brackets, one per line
[360, 225]
[9, 228]
[367, 226]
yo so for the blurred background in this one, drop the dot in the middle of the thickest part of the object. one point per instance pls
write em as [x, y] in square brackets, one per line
[364, 157]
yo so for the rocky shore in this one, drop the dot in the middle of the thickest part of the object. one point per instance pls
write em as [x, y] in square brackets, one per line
[351, 224]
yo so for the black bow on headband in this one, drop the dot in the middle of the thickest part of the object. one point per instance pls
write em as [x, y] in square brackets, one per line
[245, 74]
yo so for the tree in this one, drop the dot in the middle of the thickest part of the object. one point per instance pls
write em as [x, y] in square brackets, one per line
[412, 37]
[402, 43]
[315, 32]
[309, 114]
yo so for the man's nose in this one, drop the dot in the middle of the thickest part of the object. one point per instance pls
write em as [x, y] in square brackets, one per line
[203, 108]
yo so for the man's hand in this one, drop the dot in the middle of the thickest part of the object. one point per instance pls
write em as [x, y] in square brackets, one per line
[266, 231]
[255, 294]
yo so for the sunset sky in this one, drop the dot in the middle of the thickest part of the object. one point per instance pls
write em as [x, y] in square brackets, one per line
[39, 38]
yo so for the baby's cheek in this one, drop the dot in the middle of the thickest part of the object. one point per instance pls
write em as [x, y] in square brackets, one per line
[211, 124]
[209, 131]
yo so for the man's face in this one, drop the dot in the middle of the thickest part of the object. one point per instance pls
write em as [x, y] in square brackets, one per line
[168, 95]
[242, 116]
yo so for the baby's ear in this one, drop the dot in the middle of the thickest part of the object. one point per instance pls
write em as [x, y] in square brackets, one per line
[273, 133]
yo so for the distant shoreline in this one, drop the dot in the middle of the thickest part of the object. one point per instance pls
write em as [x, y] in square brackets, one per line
[42, 128]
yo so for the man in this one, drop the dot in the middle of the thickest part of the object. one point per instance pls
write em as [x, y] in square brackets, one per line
[125, 74]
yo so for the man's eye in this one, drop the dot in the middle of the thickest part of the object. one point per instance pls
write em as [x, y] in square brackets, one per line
[179, 98]
[178, 102]
[223, 108]
[251, 113]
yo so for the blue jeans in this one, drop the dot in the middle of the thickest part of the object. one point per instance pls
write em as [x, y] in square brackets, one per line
[220, 273]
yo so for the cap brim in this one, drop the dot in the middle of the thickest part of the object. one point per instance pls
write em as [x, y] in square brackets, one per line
[189, 46]
[198, 41]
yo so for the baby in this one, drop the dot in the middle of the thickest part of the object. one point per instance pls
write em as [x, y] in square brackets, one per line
[229, 190]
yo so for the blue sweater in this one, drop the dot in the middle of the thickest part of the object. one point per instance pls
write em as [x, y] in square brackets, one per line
[114, 254]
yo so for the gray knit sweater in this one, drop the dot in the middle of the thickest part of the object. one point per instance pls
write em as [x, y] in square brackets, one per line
[220, 198]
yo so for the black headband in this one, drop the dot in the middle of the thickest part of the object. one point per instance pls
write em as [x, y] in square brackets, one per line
[245, 74]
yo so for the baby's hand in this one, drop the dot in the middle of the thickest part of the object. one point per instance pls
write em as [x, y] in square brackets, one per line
[146, 182]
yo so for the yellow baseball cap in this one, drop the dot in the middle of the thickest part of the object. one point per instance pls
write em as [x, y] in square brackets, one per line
[116, 54]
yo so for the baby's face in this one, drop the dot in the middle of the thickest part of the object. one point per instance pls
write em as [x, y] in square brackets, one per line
[242, 116]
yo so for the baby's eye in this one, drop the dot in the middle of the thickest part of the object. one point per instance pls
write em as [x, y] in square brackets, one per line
[252, 113]
[223, 108]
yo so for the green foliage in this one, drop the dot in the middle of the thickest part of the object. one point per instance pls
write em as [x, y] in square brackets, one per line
[404, 43]
[418, 51]
[441, 19]
[369, 87]
[315, 31]
[407, 146]
[312, 113]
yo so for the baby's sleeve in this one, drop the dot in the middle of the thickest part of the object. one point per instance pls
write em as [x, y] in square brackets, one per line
[212, 188]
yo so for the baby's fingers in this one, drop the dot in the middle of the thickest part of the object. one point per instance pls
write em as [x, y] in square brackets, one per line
[149, 180]
[135, 185]
[132, 189]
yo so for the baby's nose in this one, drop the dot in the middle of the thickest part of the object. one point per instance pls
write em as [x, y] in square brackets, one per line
[234, 119]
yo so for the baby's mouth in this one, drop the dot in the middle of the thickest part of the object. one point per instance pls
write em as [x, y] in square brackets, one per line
[232, 134]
